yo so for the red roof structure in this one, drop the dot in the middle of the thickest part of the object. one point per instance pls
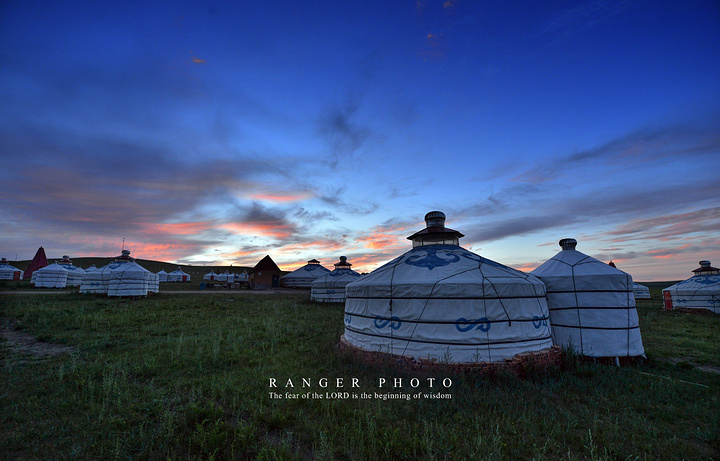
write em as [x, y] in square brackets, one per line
[38, 262]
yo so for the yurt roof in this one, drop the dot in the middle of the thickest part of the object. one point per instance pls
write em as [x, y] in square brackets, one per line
[38, 261]
[266, 264]
[705, 280]
[161, 271]
[311, 269]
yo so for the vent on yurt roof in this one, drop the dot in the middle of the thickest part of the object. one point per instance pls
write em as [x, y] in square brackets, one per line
[124, 257]
[568, 244]
[343, 264]
[436, 233]
[313, 261]
[706, 269]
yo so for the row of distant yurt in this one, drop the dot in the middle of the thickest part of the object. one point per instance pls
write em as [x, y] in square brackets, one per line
[701, 291]
[122, 277]
[226, 277]
[442, 302]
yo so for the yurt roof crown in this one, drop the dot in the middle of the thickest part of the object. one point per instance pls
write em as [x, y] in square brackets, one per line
[313, 261]
[65, 260]
[343, 264]
[568, 244]
[124, 257]
[435, 233]
[706, 269]
[4, 261]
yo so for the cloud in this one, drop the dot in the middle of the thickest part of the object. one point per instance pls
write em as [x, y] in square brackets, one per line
[259, 220]
[595, 208]
[584, 15]
[642, 147]
[670, 226]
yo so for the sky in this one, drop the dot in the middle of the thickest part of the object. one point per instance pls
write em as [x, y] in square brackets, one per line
[215, 133]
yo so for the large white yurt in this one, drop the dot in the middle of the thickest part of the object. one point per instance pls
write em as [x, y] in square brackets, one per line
[592, 307]
[210, 276]
[97, 281]
[330, 288]
[641, 291]
[304, 276]
[701, 291]
[75, 274]
[8, 272]
[129, 278]
[441, 301]
[162, 275]
[51, 276]
[178, 276]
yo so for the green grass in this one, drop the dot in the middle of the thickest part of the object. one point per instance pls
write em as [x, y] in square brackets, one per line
[187, 377]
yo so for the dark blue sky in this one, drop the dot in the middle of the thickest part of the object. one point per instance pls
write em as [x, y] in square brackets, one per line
[221, 132]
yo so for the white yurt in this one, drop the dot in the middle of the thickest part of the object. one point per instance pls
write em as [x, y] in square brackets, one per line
[701, 291]
[75, 274]
[592, 307]
[641, 291]
[223, 277]
[128, 278]
[51, 276]
[91, 268]
[8, 272]
[162, 275]
[441, 301]
[178, 276]
[330, 288]
[97, 281]
[210, 276]
[244, 277]
[304, 276]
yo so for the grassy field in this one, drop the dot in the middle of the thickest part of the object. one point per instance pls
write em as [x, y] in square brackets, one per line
[187, 377]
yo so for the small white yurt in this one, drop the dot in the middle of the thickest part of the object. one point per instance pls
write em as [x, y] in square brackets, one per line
[701, 291]
[641, 291]
[244, 277]
[97, 281]
[304, 276]
[223, 277]
[592, 307]
[440, 301]
[210, 276]
[178, 276]
[75, 274]
[162, 276]
[330, 288]
[128, 278]
[91, 268]
[51, 276]
[8, 272]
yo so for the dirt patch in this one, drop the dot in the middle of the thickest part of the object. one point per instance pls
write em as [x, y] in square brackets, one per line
[706, 368]
[25, 343]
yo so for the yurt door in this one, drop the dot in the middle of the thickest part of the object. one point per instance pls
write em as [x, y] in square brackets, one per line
[16, 275]
[668, 300]
[184, 278]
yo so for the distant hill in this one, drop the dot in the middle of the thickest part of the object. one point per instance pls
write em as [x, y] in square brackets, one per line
[196, 272]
